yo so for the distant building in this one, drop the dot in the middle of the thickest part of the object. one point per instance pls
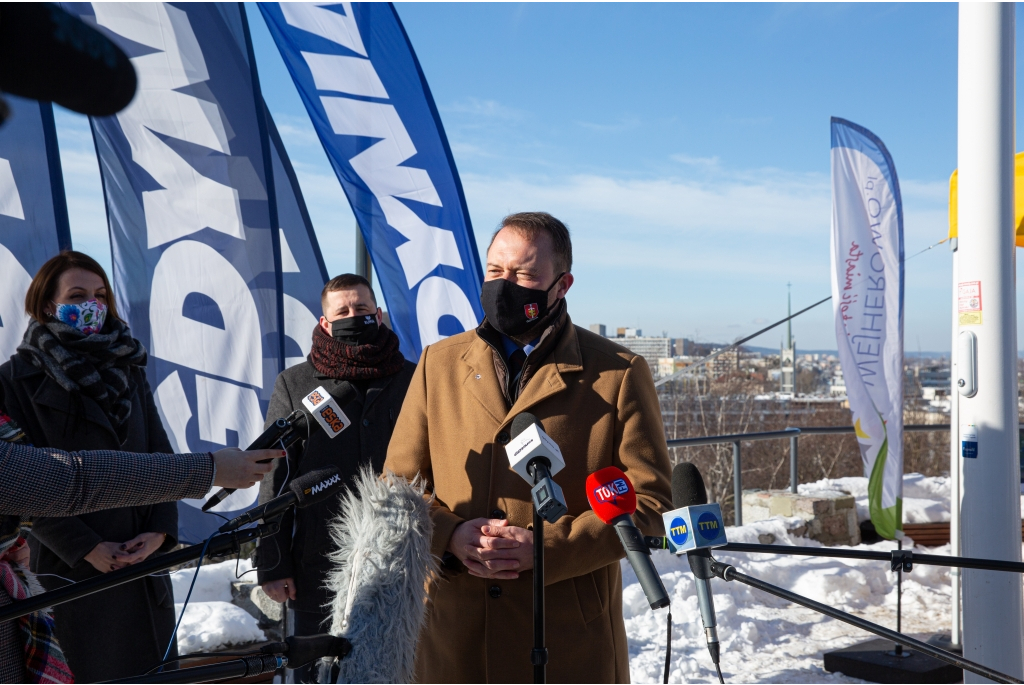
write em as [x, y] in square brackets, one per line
[837, 386]
[599, 329]
[651, 349]
[787, 357]
[725, 363]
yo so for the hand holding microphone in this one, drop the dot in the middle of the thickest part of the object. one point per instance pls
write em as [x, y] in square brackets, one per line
[243, 468]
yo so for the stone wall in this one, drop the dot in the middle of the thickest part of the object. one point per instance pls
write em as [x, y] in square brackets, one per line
[828, 516]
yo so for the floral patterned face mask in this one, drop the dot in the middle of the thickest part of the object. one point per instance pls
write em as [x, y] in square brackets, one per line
[88, 317]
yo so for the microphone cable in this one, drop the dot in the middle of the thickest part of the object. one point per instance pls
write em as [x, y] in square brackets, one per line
[668, 644]
[174, 635]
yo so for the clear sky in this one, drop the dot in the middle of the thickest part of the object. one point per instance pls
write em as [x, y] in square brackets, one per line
[686, 146]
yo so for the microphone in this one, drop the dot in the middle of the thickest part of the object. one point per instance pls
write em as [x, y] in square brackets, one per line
[613, 499]
[536, 457]
[306, 490]
[378, 577]
[303, 649]
[695, 526]
[286, 431]
[48, 54]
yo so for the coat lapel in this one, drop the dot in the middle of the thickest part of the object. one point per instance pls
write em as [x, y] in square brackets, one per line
[481, 380]
[548, 381]
[50, 394]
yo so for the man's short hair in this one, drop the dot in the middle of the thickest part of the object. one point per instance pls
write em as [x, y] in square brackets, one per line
[530, 224]
[345, 282]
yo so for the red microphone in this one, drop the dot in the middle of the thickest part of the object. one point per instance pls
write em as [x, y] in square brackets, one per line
[613, 499]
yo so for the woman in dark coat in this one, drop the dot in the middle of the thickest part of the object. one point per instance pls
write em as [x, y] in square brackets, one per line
[77, 382]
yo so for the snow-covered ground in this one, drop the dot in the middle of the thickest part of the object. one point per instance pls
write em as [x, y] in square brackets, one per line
[764, 639]
[211, 621]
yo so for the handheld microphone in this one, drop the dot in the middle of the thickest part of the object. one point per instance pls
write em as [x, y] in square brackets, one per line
[695, 526]
[308, 489]
[613, 499]
[536, 457]
[48, 54]
[286, 431]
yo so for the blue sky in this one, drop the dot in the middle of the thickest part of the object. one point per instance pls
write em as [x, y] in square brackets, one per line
[686, 146]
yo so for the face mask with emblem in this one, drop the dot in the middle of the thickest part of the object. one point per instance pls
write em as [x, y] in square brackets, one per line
[355, 330]
[512, 308]
[87, 317]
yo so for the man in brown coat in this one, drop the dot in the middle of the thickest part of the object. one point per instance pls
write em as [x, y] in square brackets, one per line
[598, 402]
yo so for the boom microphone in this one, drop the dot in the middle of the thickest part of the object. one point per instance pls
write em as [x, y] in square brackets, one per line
[613, 499]
[48, 54]
[320, 405]
[696, 526]
[378, 578]
[304, 491]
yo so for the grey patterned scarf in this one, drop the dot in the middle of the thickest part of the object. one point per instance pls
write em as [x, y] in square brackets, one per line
[96, 365]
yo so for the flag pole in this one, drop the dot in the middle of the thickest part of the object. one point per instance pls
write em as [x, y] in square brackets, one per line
[990, 506]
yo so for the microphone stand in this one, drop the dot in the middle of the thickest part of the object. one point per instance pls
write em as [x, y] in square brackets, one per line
[242, 667]
[221, 544]
[539, 655]
[728, 572]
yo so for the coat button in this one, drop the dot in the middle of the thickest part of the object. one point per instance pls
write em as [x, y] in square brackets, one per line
[494, 591]
[366, 422]
[503, 438]
[497, 514]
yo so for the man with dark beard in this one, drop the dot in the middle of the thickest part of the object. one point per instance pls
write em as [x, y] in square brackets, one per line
[351, 346]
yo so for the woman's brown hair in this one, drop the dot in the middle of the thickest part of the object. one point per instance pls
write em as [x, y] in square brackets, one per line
[44, 286]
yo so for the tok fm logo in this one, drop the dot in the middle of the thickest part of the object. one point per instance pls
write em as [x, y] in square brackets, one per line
[532, 311]
[315, 397]
[609, 492]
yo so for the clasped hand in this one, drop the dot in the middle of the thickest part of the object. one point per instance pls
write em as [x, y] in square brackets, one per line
[490, 548]
[112, 556]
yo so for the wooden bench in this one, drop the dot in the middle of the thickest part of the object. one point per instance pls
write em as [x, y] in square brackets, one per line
[933, 534]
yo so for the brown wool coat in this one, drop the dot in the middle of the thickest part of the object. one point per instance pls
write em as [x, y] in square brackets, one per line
[598, 402]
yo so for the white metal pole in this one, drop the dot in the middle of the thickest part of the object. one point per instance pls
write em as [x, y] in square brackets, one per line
[954, 461]
[990, 508]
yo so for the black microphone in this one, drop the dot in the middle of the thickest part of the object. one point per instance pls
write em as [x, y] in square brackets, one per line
[292, 428]
[48, 54]
[308, 489]
[687, 491]
[304, 649]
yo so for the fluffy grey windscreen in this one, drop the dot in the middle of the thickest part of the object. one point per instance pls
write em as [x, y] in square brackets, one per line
[378, 578]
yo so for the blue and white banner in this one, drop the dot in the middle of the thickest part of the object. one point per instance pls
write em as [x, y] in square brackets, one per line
[369, 102]
[302, 265]
[867, 301]
[196, 249]
[33, 212]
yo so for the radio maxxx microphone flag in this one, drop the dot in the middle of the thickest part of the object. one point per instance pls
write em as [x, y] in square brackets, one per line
[867, 303]
[370, 104]
[613, 499]
[188, 181]
[33, 212]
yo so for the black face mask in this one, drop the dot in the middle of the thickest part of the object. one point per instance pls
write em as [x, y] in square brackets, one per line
[511, 308]
[355, 330]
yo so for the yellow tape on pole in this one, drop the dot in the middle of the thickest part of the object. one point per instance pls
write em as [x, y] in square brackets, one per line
[1018, 203]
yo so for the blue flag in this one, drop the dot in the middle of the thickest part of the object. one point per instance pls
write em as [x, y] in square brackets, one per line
[196, 248]
[369, 102]
[33, 211]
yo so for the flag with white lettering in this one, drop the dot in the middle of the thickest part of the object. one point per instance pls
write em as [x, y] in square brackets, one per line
[193, 229]
[33, 212]
[369, 102]
[867, 301]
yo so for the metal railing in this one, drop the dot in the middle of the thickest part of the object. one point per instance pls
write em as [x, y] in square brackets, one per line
[793, 434]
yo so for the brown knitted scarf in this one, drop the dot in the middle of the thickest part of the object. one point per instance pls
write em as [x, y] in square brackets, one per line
[335, 359]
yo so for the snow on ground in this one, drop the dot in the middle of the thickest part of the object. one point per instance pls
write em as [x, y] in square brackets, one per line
[925, 498]
[766, 639]
[211, 621]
